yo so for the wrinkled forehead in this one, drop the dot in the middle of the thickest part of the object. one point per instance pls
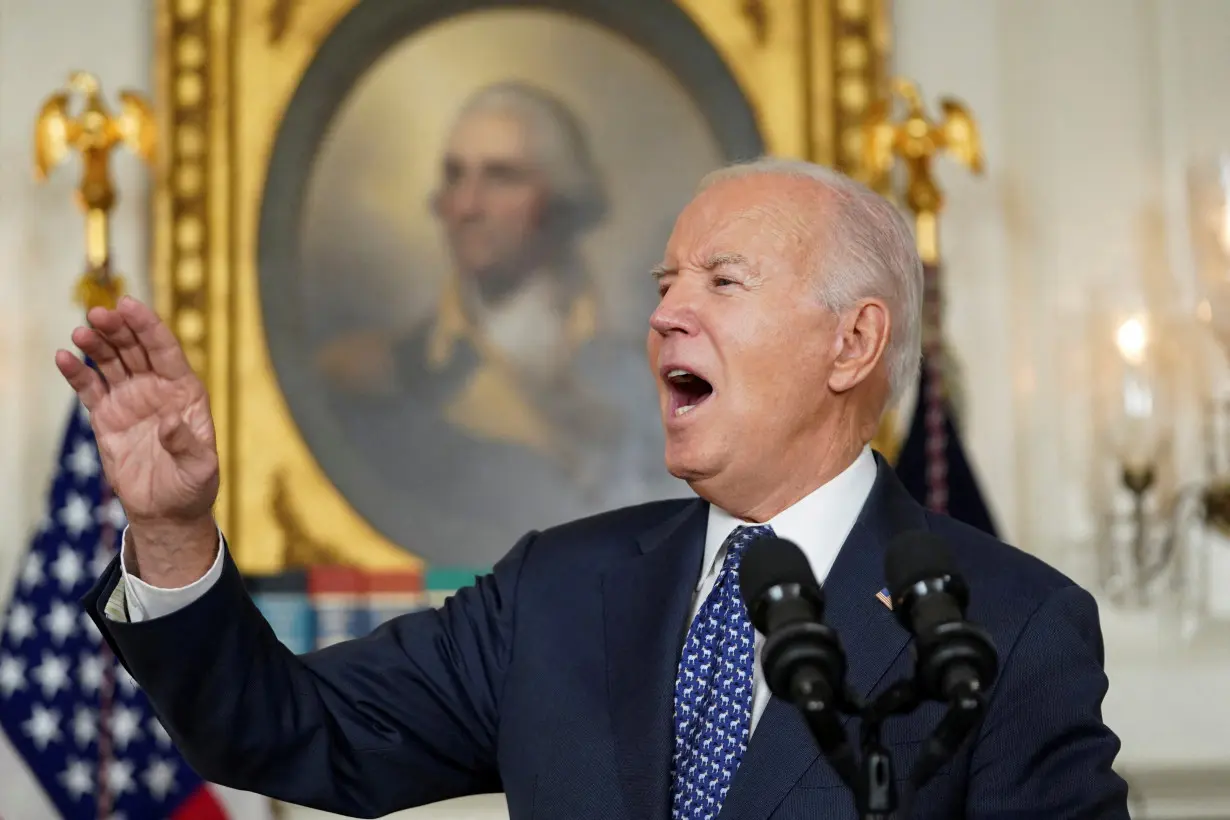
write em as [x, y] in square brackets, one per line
[763, 220]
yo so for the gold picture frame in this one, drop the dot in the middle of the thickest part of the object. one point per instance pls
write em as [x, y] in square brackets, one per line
[226, 74]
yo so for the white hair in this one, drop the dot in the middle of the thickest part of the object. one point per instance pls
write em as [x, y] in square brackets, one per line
[867, 250]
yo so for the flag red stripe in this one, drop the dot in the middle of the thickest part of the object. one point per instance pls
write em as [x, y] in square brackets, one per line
[200, 805]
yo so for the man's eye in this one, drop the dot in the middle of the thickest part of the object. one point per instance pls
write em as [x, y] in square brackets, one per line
[722, 281]
[662, 289]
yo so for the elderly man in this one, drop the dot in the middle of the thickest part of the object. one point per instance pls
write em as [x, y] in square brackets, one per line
[788, 318]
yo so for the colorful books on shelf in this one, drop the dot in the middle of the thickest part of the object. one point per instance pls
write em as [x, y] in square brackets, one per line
[318, 606]
[283, 600]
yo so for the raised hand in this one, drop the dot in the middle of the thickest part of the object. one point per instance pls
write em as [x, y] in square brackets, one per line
[150, 415]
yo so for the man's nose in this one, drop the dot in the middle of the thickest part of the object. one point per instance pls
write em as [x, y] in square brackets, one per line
[466, 198]
[675, 313]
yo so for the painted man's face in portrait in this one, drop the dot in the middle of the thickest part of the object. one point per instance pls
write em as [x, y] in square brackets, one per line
[492, 200]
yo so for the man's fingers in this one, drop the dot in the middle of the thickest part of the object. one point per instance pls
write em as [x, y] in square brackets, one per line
[100, 350]
[166, 357]
[111, 324]
[88, 385]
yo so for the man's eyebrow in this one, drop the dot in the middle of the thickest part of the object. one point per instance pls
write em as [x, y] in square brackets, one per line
[719, 260]
[714, 262]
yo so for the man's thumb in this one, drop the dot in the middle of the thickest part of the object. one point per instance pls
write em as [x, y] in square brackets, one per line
[175, 434]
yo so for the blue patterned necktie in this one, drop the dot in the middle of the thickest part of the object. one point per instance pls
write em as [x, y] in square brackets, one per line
[713, 691]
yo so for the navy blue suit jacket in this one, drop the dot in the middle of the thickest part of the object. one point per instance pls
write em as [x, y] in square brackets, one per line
[551, 679]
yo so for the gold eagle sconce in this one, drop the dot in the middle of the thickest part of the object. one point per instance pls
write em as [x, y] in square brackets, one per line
[916, 141]
[93, 133]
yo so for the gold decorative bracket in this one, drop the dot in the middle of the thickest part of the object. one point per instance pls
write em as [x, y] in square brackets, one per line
[757, 16]
[281, 15]
[300, 548]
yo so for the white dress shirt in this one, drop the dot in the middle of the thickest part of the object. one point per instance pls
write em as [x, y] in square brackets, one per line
[146, 602]
[818, 523]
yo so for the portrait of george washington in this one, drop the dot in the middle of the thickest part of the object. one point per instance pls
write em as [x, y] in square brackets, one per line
[472, 292]
[500, 359]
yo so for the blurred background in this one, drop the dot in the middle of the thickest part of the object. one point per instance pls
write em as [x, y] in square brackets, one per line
[300, 218]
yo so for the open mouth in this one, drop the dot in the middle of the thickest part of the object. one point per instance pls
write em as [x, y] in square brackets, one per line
[687, 391]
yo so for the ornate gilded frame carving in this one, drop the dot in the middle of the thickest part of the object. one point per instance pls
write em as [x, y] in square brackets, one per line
[808, 67]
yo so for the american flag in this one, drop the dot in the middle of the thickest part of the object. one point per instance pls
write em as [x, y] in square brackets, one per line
[83, 729]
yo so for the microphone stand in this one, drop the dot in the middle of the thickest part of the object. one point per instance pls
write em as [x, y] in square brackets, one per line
[876, 798]
[813, 697]
[872, 779]
[965, 710]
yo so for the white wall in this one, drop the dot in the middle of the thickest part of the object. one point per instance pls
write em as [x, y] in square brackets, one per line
[1089, 111]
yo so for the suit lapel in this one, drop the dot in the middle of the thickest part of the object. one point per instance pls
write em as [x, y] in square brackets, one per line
[782, 747]
[869, 633]
[646, 601]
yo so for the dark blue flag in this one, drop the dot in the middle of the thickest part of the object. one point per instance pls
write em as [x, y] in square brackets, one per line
[948, 479]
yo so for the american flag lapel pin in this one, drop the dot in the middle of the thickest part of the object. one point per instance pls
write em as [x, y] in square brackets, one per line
[885, 598]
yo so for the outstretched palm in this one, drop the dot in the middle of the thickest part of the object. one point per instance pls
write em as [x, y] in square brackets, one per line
[149, 411]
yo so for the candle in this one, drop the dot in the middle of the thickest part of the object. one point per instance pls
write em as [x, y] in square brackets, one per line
[1138, 426]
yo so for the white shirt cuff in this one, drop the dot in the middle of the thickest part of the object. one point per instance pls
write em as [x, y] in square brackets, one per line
[146, 602]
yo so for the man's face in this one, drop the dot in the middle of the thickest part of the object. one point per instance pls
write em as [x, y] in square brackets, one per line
[739, 314]
[492, 197]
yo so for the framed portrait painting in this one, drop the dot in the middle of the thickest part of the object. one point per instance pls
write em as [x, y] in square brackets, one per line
[407, 245]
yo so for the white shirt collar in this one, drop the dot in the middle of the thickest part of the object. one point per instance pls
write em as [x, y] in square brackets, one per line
[818, 522]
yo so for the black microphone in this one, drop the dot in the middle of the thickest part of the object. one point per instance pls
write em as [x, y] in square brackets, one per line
[802, 658]
[954, 657]
[955, 661]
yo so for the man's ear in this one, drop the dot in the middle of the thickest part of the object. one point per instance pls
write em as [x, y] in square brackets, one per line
[863, 333]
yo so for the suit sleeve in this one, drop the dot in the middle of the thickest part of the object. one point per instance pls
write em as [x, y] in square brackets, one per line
[1044, 750]
[405, 716]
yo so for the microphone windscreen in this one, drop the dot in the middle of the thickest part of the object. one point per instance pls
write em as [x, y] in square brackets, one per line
[769, 562]
[915, 556]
